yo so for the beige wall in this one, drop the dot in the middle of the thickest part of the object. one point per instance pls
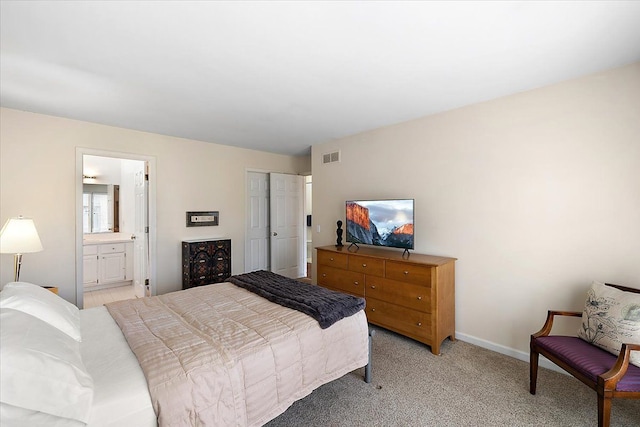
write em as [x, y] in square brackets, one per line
[536, 194]
[37, 179]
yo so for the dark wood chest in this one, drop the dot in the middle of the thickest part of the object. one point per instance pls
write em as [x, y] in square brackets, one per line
[205, 262]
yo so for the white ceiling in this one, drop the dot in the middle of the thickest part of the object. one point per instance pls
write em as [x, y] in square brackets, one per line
[282, 76]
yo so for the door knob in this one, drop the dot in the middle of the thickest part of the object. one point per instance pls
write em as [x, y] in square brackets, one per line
[275, 234]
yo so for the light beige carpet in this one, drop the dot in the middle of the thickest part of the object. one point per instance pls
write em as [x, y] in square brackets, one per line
[465, 386]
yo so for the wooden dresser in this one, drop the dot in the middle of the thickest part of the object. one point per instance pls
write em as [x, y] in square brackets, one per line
[414, 296]
[205, 262]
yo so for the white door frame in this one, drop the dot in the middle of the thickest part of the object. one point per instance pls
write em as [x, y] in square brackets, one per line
[151, 161]
[140, 232]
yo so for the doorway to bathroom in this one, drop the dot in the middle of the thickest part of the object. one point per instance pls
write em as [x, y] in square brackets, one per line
[115, 227]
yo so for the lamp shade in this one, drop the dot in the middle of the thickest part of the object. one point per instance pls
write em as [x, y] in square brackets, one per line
[19, 236]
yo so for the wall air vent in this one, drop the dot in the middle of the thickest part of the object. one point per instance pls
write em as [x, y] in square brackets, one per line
[331, 157]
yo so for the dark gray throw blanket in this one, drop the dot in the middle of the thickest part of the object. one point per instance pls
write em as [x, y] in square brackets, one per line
[324, 305]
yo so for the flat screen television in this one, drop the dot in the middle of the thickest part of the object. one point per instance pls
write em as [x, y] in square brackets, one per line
[380, 222]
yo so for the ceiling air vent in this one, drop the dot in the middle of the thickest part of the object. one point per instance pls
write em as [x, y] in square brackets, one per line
[331, 157]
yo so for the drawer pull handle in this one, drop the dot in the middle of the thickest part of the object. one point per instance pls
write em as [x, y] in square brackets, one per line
[373, 286]
[419, 323]
[356, 283]
[220, 259]
[373, 309]
[202, 277]
[419, 298]
[220, 274]
[330, 259]
[364, 265]
[406, 272]
[201, 261]
[324, 274]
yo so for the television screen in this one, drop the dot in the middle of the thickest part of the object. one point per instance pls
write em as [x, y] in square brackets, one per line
[380, 222]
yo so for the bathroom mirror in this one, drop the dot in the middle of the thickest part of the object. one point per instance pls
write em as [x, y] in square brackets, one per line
[100, 208]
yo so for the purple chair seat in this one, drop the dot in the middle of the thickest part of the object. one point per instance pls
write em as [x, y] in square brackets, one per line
[588, 359]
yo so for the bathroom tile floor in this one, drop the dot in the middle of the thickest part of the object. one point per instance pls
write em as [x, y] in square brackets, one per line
[104, 296]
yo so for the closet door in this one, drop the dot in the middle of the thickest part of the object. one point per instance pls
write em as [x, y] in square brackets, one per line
[257, 222]
[286, 197]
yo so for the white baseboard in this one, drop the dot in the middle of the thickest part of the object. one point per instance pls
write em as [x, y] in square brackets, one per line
[508, 351]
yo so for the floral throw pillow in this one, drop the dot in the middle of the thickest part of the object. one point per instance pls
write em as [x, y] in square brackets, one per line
[611, 317]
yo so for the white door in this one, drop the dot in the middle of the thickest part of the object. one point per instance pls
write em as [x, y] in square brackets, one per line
[286, 199]
[110, 207]
[112, 268]
[141, 235]
[257, 222]
[90, 270]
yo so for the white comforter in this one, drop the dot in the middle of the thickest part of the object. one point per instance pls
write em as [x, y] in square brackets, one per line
[220, 355]
[121, 397]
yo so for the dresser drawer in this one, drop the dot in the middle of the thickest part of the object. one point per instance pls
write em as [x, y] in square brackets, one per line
[194, 248]
[410, 322]
[111, 248]
[366, 265]
[224, 245]
[90, 250]
[341, 280]
[332, 259]
[201, 280]
[412, 273]
[407, 295]
[220, 257]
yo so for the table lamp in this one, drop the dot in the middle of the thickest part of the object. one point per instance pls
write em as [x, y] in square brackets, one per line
[19, 236]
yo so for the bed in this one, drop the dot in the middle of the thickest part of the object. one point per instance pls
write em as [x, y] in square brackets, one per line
[212, 355]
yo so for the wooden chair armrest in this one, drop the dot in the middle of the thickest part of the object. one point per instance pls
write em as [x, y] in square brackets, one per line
[609, 379]
[546, 329]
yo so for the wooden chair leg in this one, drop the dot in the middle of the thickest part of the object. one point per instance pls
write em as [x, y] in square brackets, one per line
[533, 371]
[604, 411]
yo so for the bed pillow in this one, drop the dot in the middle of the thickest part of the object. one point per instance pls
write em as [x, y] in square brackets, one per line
[611, 317]
[42, 370]
[43, 304]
